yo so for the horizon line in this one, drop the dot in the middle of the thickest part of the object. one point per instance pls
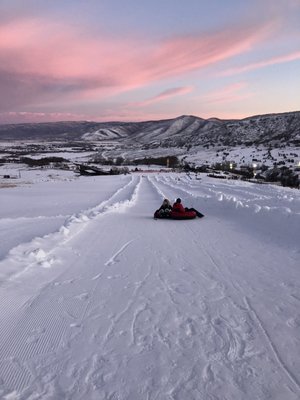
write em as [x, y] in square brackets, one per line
[146, 120]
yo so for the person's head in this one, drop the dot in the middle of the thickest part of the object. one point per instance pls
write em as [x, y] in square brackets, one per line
[166, 202]
[178, 200]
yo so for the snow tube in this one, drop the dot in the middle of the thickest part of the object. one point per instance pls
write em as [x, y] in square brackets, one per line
[176, 215]
[183, 215]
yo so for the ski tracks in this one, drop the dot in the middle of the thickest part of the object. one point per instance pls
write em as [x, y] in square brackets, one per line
[27, 331]
[232, 334]
[273, 348]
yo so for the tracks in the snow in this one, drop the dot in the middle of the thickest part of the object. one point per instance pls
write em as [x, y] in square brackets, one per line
[40, 252]
[130, 308]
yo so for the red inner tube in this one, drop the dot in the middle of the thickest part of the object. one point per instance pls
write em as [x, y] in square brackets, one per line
[176, 215]
[184, 215]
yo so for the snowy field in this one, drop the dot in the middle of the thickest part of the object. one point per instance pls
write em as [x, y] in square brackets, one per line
[99, 301]
[242, 156]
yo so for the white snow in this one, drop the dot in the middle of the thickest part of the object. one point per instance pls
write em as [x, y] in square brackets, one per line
[101, 301]
[243, 156]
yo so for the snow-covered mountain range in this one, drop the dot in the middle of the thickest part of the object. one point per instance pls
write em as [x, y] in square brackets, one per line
[195, 139]
[271, 128]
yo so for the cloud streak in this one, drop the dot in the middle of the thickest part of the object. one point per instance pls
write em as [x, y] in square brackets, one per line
[45, 62]
[228, 94]
[262, 64]
[166, 94]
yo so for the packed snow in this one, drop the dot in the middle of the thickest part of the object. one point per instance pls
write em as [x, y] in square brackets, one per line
[101, 301]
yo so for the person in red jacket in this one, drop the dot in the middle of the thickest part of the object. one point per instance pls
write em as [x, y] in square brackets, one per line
[178, 207]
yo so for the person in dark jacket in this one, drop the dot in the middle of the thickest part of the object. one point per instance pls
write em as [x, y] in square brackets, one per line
[178, 207]
[165, 209]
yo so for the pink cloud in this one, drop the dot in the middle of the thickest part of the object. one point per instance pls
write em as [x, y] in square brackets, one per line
[227, 94]
[49, 48]
[46, 48]
[178, 91]
[42, 62]
[184, 54]
[262, 64]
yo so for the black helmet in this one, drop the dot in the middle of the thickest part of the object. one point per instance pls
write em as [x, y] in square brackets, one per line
[178, 200]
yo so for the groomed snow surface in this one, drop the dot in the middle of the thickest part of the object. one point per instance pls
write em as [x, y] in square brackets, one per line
[101, 301]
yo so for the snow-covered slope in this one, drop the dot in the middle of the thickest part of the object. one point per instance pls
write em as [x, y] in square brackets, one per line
[101, 301]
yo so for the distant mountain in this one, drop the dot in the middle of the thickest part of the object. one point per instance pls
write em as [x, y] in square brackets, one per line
[270, 129]
[264, 140]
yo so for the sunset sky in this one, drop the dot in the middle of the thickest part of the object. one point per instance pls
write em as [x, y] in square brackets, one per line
[132, 60]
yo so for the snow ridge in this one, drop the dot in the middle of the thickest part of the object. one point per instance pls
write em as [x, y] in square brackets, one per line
[40, 252]
[231, 202]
